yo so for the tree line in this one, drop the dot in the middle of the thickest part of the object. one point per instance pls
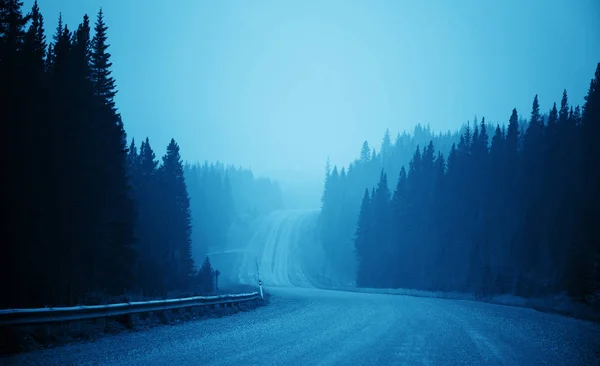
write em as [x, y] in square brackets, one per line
[224, 198]
[344, 187]
[70, 225]
[163, 227]
[515, 213]
[87, 213]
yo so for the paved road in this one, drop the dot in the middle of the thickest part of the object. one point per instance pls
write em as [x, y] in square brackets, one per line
[307, 326]
[319, 327]
[284, 247]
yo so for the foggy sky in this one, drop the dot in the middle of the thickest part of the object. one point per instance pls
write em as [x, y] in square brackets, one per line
[278, 86]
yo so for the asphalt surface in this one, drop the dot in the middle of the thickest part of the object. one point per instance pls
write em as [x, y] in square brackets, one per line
[304, 325]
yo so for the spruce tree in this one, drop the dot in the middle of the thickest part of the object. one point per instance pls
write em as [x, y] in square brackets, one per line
[553, 119]
[365, 153]
[105, 88]
[176, 203]
[386, 143]
[206, 277]
[34, 45]
[512, 137]
[12, 31]
[132, 157]
[13, 96]
[116, 211]
[362, 242]
[150, 273]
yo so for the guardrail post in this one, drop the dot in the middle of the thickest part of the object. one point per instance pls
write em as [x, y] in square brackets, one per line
[43, 331]
[259, 281]
[165, 316]
[130, 320]
[101, 322]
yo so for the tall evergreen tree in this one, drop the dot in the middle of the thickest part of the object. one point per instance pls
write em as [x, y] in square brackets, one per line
[362, 240]
[117, 209]
[104, 83]
[177, 217]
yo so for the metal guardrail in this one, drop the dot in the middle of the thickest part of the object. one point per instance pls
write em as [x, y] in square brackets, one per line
[64, 314]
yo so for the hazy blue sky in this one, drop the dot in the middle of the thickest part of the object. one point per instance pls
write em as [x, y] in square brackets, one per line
[280, 85]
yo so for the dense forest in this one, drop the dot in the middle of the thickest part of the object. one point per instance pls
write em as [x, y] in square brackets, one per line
[344, 187]
[89, 215]
[507, 210]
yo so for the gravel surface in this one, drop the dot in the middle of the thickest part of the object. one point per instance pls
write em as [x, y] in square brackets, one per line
[321, 327]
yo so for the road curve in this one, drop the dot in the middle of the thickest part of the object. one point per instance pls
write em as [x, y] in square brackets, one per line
[304, 325]
[321, 327]
[282, 250]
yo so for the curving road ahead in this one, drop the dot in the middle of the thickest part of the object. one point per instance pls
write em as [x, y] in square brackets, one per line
[305, 325]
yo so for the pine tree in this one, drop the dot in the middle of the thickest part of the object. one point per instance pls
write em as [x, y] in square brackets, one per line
[176, 203]
[386, 143]
[60, 54]
[101, 65]
[132, 157]
[81, 55]
[362, 243]
[382, 229]
[584, 257]
[151, 274]
[116, 209]
[13, 99]
[563, 114]
[399, 196]
[468, 138]
[325, 195]
[148, 162]
[206, 277]
[531, 194]
[512, 138]
[365, 153]
[35, 42]
[12, 31]
[552, 119]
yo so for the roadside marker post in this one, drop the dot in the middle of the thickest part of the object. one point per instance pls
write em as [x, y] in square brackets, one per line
[259, 280]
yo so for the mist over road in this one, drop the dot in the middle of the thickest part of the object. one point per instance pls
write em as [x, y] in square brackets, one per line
[283, 248]
[307, 325]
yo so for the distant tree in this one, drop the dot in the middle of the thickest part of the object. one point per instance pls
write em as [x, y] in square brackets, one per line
[386, 144]
[132, 157]
[362, 242]
[512, 137]
[206, 277]
[365, 153]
